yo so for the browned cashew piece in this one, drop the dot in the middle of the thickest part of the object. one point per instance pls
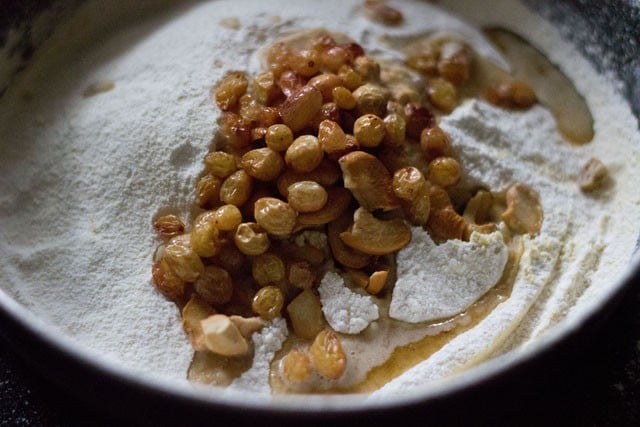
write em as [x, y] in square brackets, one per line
[222, 336]
[374, 236]
[369, 181]
[524, 212]
[344, 254]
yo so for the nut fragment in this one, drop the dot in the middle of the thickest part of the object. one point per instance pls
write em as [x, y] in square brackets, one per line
[524, 212]
[305, 313]
[328, 355]
[593, 175]
[194, 311]
[222, 336]
[345, 255]
[369, 181]
[377, 281]
[374, 236]
[338, 200]
[247, 325]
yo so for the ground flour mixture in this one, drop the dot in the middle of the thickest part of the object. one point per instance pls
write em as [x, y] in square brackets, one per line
[105, 131]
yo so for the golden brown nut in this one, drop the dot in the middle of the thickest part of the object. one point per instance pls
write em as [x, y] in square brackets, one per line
[374, 236]
[368, 180]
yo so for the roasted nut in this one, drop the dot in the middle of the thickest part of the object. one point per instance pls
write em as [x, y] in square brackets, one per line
[194, 311]
[297, 366]
[338, 200]
[251, 239]
[168, 226]
[328, 355]
[166, 281]
[593, 175]
[304, 154]
[374, 236]
[221, 336]
[371, 99]
[301, 107]
[247, 325]
[236, 188]
[524, 212]
[368, 180]
[305, 313]
[307, 196]
[182, 259]
[264, 164]
[478, 208]
[345, 255]
[331, 137]
[214, 285]
[278, 137]
[446, 223]
[267, 269]
[444, 171]
[377, 280]
[369, 130]
[275, 216]
[230, 89]
[268, 302]
[265, 88]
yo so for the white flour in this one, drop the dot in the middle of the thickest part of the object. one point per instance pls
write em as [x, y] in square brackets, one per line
[82, 178]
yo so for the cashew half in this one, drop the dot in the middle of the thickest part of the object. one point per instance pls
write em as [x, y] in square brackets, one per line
[374, 236]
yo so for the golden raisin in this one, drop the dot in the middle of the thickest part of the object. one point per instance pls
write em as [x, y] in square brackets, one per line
[268, 302]
[328, 355]
[168, 226]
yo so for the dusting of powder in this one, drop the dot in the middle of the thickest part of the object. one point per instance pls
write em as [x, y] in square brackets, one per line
[346, 311]
[451, 276]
